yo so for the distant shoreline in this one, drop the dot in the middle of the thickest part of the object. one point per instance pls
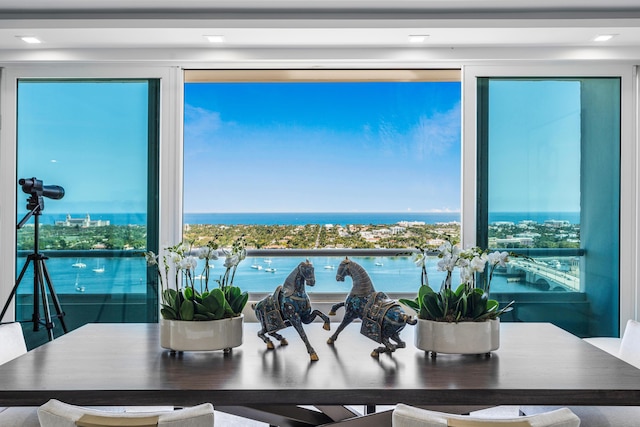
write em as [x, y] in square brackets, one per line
[303, 218]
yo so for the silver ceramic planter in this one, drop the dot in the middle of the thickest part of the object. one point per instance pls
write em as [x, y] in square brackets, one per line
[457, 338]
[180, 335]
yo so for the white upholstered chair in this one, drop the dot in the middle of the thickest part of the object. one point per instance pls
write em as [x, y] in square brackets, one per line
[626, 348]
[12, 345]
[12, 342]
[59, 414]
[409, 416]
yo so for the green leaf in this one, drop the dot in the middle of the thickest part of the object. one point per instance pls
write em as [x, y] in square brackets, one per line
[211, 303]
[200, 308]
[238, 303]
[463, 305]
[432, 307]
[460, 290]
[218, 295]
[424, 290]
[412, 304]
[492, 305]
[479, 304]
[188, 293]
[187, 310]
[169, 296]
[168, 313]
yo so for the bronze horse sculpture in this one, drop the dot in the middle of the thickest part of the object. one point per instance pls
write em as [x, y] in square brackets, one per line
[289, 306]
[382, 318]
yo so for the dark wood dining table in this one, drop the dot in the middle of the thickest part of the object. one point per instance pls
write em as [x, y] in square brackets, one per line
[123, 364]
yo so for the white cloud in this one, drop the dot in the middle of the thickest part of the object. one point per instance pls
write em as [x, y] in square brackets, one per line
[435, 135]
[200, 124]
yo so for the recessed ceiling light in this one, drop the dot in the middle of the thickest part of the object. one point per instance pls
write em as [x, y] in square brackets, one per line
[603, 37]
[29, 39]
[215, 39]
[418, 38]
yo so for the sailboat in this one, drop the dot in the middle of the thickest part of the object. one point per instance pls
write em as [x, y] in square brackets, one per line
[78, 264]
[98, 269]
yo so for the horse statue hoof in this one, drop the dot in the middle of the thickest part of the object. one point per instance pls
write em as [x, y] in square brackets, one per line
[330, 341]
[332, 313]
[314, 357]
[326, 326]
[375, 354]
[284, 341]
[270, 345]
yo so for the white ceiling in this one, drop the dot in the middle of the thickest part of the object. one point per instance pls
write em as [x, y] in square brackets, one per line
[316, 24]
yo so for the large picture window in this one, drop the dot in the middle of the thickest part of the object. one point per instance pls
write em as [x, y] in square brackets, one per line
[97, 139]
[312, 162]
[549, 163]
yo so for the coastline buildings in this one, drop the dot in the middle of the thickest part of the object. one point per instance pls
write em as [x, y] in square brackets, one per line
[82, 222]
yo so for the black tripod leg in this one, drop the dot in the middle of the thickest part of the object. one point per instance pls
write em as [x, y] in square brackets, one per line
[54, 297]
[45, 302]
[15, 288]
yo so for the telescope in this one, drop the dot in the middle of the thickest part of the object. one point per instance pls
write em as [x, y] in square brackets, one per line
[35, 187]
[41, 278]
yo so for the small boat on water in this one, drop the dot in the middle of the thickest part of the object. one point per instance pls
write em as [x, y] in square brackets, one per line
[267, 260]
[270, 270]
[79, 264]
[379, 264]
[79, 288]
[256, 266]
[329, 267]
[98, 269]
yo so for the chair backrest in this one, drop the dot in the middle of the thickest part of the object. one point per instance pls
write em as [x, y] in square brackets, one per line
[12, 342]
[409, 416]
[59, 414]
[630, 344]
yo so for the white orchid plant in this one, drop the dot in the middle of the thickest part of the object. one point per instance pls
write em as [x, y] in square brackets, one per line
[468, 302]
[183, 301]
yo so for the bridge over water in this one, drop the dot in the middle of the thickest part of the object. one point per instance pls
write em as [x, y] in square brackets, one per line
[540, 273]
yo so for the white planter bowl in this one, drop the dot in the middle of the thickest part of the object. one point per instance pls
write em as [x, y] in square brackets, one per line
[180, 335]
[457, 338]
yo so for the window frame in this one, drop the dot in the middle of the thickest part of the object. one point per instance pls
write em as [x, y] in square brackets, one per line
[171, 117]
[8, 149]
[629, 221]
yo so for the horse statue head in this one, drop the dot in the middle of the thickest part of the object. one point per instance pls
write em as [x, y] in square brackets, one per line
[306, 270]
[362, 283]
[300, 276]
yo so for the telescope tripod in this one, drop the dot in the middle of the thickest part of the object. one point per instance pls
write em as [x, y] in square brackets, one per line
[40, 278]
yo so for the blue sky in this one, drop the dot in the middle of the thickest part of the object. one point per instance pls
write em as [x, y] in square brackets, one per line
[534, 143]
[90, 138]
[303, 147]
[322, 147]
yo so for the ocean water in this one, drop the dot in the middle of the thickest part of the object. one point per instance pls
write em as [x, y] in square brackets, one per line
[302, 218]
[128, 275]
[394, 274]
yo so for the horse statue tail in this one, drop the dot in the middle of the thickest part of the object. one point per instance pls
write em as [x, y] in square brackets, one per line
[409, 320]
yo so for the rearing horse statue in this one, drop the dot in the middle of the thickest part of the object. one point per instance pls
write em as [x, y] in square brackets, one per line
[289, 306]
[382, 318]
